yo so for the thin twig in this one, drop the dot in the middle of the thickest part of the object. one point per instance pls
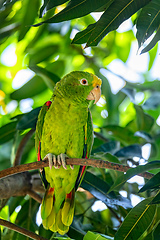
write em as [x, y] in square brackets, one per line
[21, 230]
[34, 195]
[71, 161]
[21, 147]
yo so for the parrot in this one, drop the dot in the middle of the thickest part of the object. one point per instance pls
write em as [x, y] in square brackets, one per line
[64, 129]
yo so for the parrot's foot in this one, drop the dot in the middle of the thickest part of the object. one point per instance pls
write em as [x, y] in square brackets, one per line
[57, 160]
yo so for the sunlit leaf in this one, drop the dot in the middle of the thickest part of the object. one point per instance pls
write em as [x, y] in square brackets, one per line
[94, 236]
[49, 77]
[137, 221]
[30, 14]
[33, 87]
[7, 132]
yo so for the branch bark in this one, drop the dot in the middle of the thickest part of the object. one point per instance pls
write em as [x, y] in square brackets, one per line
[71, 161]
[21, 230]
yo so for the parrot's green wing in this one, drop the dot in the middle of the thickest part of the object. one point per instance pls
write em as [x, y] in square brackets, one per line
[88, 130]
[38, 134]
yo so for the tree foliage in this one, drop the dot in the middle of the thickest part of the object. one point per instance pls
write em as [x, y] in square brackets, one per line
[45, 42]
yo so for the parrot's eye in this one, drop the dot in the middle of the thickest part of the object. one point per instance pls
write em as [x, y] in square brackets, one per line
[84, 81]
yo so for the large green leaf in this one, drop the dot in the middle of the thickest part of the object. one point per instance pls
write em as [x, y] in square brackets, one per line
[50, 4]
[33, 87]
[28, 120]
[148, 21]
[94, 236]
[115, 14]
[7, 132]
[78, 8]
[156, 233]
[156, 199]
[99, 189]
[30, 10]
[137, 221]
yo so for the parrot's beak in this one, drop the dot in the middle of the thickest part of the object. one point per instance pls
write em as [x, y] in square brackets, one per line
[95, 94]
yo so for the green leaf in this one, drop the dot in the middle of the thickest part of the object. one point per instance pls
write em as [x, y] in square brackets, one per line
[132, 172]
[153, 42]
[99, 188]
[30, 9]
[76, 9]
[82, 37]
[50, 4]
[28, 120]
[153, 183]
[7, 132]
[130, 151]
[110, 20]
[144, 120]
[94, 236]
[50, 78]
[148, 21]
[33, 87]
[156, 199]
[137, 221]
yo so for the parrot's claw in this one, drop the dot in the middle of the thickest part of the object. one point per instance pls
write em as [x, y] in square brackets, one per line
[57, 160]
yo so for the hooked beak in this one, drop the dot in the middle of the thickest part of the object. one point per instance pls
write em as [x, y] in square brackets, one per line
[95, 94]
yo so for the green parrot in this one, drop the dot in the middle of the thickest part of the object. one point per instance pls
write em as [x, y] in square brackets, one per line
[64, 129]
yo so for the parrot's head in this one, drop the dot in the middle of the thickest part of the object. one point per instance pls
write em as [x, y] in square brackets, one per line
[79, 86]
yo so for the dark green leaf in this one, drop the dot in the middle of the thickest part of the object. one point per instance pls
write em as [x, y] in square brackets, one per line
[77, 8]
[116, 13]
[28, 120]
[153, 183]
[83, 36]
[50, 78]
[144, 121]
[148, 21]
[132, 172]
[50, 4]
[130, 151]
[33, 87]
[153, 42]
[156, 199]
[137, 221]
[99, 189]
[110, 147]
[7, 132]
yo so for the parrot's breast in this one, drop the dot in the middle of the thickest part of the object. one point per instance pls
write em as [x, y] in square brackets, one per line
[63, 132]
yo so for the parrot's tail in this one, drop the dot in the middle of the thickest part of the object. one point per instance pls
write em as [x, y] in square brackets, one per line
[57, 220]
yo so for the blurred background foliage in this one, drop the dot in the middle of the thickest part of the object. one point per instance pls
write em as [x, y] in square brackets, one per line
[126, 119]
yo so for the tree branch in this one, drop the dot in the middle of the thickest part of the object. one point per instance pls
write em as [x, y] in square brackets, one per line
[71, 161]
[21, 230]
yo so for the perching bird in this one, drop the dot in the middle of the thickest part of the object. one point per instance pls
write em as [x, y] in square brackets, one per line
[64, 128]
